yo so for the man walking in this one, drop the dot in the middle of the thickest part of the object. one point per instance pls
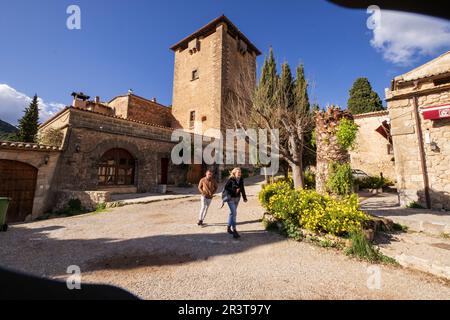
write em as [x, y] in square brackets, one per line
[207, 187]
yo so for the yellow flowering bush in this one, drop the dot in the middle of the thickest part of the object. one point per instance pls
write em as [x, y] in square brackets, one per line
[284, 205]
[269, 190]
[312, 211]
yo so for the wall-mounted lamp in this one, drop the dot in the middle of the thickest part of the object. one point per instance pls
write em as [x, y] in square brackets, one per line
[77, 148]
[46, 159]
[428, 137]
[433, 145]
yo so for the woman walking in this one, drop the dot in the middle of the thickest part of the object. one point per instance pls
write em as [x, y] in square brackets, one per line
[235, 190]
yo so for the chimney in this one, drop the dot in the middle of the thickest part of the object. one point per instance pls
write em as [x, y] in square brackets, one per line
[97, 100]
[154, 100]
[79, 100]
[130, 91]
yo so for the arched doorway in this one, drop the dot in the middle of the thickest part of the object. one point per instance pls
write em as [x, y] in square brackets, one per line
[116, 168]
[18, 182]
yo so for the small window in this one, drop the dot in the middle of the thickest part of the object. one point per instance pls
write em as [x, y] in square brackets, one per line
[192, 119]
[195, 75]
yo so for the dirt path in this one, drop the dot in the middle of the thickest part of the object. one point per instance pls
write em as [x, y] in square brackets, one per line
[158, 252]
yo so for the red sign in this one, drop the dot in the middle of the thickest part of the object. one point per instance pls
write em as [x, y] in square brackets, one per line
[436, 112]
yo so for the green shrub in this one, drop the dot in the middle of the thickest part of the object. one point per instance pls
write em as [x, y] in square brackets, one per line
[100, 207]
[415, 205]
[400, 227]
[292, 230]
[284, 205]
[72, 208]
[268, 191]
[340, 181]
[310, 180]
[331, 215]
[363, 249]
[346, 133]
[315, 212]
[374, 183]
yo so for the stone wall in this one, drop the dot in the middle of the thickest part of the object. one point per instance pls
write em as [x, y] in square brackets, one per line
[219, 65]
[406, 143]
[239, 70]
[328, 148]
[148, 111]
[90, 135]
[371, 152]
[89, 199]
[202, 95]
[133, 107]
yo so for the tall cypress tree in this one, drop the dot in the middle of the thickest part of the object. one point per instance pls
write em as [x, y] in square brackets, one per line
[301, 89]
[363, 99]
[29, 124]
[302, 98]
[269, 74]
[287, 84]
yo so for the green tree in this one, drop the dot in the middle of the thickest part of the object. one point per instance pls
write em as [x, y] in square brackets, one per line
[277, 102]
[302, 98]
[363, 99]
[29, 124]
[301, 89]
[269, 75]
[287, 89]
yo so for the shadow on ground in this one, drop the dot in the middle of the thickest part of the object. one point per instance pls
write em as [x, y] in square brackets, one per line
[55, 255]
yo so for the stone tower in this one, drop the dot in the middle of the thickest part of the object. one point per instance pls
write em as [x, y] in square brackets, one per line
[208, 65]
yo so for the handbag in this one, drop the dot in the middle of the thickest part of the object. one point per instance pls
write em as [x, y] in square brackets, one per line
[225, 197]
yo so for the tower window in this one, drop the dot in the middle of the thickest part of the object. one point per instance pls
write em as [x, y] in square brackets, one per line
[195, 75]
[192, 120]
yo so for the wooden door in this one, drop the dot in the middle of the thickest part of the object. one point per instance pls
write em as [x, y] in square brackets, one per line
[164, 170]
[18, 182]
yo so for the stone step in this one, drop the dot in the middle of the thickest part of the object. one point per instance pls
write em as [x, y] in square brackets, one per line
[420, 225]
[419, 251]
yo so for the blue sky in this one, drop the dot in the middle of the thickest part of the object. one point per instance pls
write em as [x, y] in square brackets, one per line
[125, 44]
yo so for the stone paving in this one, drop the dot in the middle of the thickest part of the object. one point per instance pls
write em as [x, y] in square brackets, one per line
[157, 251]
[426, 245]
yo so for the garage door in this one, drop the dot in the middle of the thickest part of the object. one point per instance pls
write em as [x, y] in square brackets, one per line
[18, 182]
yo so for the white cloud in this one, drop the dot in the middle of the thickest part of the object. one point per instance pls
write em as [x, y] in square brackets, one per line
[404, 37]
[13, 103]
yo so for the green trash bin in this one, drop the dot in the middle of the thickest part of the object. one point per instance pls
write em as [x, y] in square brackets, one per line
[4, 203]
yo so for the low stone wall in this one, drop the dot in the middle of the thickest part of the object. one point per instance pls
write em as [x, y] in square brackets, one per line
[89, 199]
[371, 153]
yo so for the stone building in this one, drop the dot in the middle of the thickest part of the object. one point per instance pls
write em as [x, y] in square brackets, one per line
[124, 145]
[27, 172]
[208, 63]
[419, 111]
[374, 153]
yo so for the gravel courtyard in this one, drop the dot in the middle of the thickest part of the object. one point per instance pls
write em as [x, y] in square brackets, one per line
[156, 251]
